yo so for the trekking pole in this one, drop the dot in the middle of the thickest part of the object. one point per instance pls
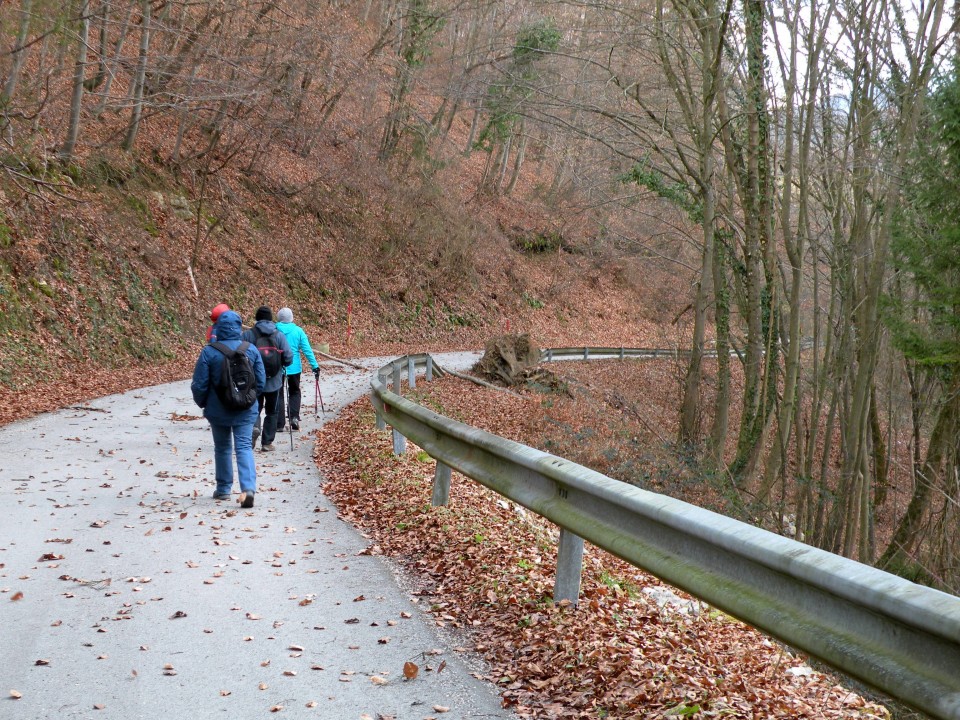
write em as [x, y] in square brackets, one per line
[290, 420]
[319, 396]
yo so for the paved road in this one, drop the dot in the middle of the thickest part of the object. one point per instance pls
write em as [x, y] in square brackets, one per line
[144, 598]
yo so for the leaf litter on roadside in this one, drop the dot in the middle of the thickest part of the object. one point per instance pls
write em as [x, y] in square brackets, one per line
[485, 568]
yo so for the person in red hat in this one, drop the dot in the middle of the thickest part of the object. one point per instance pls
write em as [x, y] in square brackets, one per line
[214, 316]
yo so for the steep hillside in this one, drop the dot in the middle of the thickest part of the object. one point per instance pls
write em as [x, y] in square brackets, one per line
[97, 282]
[110, 260]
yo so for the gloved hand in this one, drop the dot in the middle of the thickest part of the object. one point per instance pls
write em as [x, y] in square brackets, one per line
[316, 373]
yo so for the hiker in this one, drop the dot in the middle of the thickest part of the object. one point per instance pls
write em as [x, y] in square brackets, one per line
[276, 355]
[230, 422]
[299, 343]
[215, 314]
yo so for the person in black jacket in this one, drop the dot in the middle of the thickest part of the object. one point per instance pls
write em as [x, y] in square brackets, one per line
[276, 354]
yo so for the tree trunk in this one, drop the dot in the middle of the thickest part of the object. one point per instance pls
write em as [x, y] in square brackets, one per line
[76, 99]
[137, 111]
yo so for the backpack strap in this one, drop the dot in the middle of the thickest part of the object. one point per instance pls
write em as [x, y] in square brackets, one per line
[223, 348]
[241, 348]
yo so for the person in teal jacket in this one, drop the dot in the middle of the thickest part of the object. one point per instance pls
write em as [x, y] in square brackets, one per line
[299, 343]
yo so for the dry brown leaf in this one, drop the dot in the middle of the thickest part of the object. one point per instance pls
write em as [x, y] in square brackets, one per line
[16, 596]
[441, 708]
[16, 694]
[410, 670]
[225, 693]
[377, 680]
[263, 686]
[276, 708]
[312, 704]
[290, 673]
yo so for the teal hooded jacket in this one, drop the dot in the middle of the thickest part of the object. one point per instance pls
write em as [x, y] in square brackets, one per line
[298, 344]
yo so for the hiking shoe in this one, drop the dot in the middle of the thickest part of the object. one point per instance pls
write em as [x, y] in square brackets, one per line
[246, 499]
[256, 433]
[217, 495]
[268, 448]
[295, 424]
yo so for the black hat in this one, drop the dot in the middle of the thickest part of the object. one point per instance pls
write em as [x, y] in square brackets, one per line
[264, 313]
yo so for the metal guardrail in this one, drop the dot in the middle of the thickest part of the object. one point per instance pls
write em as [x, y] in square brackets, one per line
[899, 637]
[588, 352]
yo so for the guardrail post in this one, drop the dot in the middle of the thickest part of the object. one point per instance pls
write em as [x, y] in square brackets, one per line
[411, 372]
[569, 566]
[428, 374]
[399, 443]
[381, 423]
[621, 352]
[586, 353]
[549, 354]
[441, 485]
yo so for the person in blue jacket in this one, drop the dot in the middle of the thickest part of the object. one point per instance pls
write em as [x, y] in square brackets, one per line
[276, 344]
[232, 429]
[299, 343]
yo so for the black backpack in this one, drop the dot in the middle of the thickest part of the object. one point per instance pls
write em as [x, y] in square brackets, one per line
[237, 385]
[271, 355]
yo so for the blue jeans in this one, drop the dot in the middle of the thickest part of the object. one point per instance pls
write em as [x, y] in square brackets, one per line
[226, 439]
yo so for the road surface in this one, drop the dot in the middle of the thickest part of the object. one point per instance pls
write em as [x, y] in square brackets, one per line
[126, 591]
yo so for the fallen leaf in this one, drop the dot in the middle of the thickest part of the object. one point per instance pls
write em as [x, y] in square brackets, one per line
[441, 708]
[252, 616]
[98, 706]
[183, 515]
[178, 614]
[276, 708]
[410, 670]
[405, 615]
[16, 596]
[224, 693]
[383, 640]
[42, 662]
[290, 673]
[16, 695]
[377, 680]
[295, 648]
[443, 664]
[312, 704]
[263, 686]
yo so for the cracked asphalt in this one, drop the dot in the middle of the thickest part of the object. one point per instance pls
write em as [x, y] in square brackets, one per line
[126, 591]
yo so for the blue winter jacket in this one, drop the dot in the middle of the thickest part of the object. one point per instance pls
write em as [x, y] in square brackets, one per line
[299, 344]
[268, 328]
[208, 368]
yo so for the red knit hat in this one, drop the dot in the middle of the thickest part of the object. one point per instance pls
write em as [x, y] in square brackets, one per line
[218, 311]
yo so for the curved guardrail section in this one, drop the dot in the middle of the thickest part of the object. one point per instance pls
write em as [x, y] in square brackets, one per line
[899, 637]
